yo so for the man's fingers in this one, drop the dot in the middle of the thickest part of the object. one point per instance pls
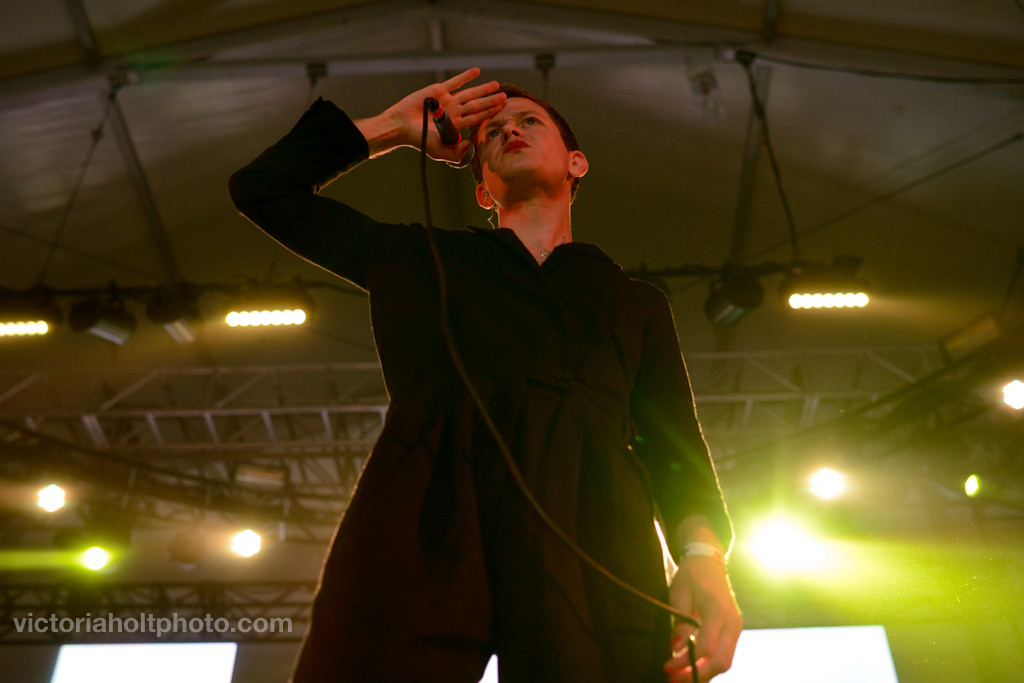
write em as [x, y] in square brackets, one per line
[471, 120]
[477, 92]
[461, 79]
[681, 636]
[707, 638]
[720, 652]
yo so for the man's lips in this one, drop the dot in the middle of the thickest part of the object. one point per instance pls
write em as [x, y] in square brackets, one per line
[514, 145]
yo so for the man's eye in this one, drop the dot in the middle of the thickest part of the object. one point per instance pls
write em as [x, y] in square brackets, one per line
[530, 120]
[493, 133]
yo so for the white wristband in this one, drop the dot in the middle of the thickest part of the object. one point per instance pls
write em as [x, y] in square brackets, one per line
[703, 550]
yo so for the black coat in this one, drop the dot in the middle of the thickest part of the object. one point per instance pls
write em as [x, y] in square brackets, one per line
[579, 366]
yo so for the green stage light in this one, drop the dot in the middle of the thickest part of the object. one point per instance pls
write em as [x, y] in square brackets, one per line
[785, 547]
[95, 558]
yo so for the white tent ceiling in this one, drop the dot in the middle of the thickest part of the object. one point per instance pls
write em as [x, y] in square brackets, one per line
[897, 127]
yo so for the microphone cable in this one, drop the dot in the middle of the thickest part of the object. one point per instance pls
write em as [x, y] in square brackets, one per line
[503, 448]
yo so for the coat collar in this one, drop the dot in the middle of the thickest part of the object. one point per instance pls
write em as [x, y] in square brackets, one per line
[573, 249]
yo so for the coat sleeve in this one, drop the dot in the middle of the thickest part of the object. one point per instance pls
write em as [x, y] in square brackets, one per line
[278, 192]
[669, 438]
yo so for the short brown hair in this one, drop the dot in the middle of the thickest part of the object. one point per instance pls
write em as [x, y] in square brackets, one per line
[568, 137]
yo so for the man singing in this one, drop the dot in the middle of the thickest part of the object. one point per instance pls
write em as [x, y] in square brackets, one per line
[440, 559]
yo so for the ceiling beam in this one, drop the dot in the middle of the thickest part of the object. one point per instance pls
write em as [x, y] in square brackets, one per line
[601, 39]
[87, 39]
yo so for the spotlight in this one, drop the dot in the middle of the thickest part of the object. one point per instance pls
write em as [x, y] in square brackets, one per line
[827, 483]
[51, 498]
[1013, 394]
[173, 310]
[274, 308]
[732, 298]
[108, 321]
[784, 547]
[30, 313]
[972, 486]
[95, 558]
[830, 285]
[246, 543]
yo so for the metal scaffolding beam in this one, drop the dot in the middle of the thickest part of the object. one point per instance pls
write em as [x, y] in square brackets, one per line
[301, 411]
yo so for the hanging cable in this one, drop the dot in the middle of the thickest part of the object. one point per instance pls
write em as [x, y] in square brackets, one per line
[96, 134]
[893, 75]
[746, 59]
[492, 428]
[974, 156]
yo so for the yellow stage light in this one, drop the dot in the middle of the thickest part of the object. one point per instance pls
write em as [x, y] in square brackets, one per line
[295, 316]
[827, 483]
[972, 485]
[51, 498]
[1013, 394]
[246, 543]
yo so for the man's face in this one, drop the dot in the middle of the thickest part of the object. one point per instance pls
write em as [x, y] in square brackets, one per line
[522, 153]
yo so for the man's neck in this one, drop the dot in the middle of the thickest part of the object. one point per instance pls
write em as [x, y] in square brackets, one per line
[541, 224]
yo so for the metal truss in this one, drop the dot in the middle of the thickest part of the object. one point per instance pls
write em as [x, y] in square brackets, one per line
[135, 612]
[284, 409]
[285, 444]
[746, 398]
[297, 411]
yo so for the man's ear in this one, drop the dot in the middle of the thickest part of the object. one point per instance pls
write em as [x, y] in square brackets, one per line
[485, 200]
[577, 164]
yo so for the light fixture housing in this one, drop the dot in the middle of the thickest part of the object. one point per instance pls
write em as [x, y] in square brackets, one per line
[833, 284]
[106, 320]
[974, 336]
[731, 298]
[31, 313]
[174, 311]
[263, 477]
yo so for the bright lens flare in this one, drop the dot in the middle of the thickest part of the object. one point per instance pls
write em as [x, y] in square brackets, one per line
[51, 498]
[1013, 394]
[23, 328]
[246, 543]
[827, 483]
[265, 318]
[95, 558]
[836, 300]
[782, 546]
[972, 485]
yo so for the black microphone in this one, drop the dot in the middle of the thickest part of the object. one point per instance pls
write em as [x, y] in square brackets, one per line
[450, 135]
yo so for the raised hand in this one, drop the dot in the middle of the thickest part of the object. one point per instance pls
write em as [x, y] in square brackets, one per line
[401, 124]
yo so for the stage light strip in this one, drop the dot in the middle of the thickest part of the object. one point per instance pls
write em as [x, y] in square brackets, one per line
[261, 318]
[24, 328]
[846, 300]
